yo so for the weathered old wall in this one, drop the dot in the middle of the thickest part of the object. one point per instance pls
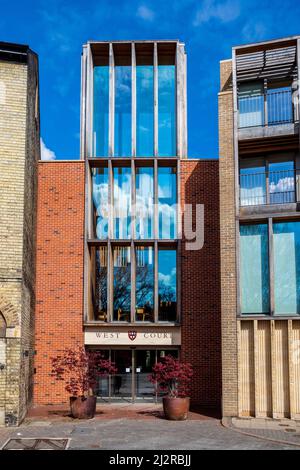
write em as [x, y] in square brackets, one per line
[200, 285]
[59, 269]
[19, 151]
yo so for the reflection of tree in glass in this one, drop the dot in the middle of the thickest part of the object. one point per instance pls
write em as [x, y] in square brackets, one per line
[144, 286]
[101, 289]
[166, 293]
[122, 291]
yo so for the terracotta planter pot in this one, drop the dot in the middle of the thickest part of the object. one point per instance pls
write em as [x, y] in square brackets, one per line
[176, 409]
[83, 407]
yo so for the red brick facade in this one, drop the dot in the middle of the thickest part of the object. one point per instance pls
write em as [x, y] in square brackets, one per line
[200, 285]
[59, 276]
[59, 290]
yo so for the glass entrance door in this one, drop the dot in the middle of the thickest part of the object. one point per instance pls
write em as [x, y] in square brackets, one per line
[121, 382]
[131, 381]
[144, 361]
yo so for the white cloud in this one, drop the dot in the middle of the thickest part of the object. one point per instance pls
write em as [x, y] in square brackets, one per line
[145, 13]
[46, 154]
[224, 11]
[253, 32]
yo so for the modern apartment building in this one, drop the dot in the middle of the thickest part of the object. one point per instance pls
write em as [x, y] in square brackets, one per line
[260, 229]
[19, 154]
[116, 267]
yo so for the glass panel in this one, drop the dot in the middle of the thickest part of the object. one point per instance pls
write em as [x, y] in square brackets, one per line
[121, 382]
[254, 269]
[100, 291]
[166, 111]
[251, 105]
[167, 198]
[281, 182]
[102, 388]
[167, 290]
[279, 102]
[144, 283]
[144, 111]
[144, 202]
[287, 268]
[122, 283]
[122, 111]
[122, 202]
[101, 110]
[100, 201]
[144, 361]
[253, 186]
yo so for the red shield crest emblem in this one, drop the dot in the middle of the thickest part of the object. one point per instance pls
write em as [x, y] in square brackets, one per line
[132, 335]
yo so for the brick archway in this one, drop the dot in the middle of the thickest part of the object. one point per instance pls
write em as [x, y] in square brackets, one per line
[2, 326]
[9, 312]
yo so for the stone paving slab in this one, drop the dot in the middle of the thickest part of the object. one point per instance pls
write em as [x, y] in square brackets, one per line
[141, 427]
[124, 434]
[281, 431]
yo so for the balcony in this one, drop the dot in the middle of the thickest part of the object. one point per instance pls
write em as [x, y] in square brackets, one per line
[265, 113]
[269, 188]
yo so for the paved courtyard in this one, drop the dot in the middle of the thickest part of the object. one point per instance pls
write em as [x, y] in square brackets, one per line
[141, 427]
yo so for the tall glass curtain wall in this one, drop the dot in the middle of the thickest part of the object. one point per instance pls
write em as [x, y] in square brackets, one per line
[254, 268]
[166, 83]
[121, 202]
[143, 268]
[124, 272]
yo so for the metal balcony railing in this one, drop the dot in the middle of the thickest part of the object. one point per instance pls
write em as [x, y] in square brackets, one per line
[273, 187]
[269, 109]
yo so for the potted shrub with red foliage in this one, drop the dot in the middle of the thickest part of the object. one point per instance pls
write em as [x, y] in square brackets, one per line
[172, 377]
[80, 370]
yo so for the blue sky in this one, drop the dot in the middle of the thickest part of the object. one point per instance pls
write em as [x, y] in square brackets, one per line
[56, 30]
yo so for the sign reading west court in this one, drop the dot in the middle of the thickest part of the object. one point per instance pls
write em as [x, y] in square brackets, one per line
[133, 337]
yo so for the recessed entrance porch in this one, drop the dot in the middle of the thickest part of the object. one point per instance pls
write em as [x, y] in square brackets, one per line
[131, 382]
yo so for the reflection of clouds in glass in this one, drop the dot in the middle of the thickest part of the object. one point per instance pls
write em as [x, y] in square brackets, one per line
[100, 198]
[144, 129]
[168, 279]
[165, 123]
[252, 196]
[284, 184]
[166, 75]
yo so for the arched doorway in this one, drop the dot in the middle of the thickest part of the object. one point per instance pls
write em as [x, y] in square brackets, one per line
[2, 368]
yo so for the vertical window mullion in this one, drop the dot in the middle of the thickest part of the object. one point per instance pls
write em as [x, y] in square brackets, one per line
[133, 282]
[111, 100]
[267, 182]
[110, 200]
[155, 281]
[133, 202]
[155, 101]
[178, 101]
[156, 224]
[109, 283]
[133, 100]
[178, 281]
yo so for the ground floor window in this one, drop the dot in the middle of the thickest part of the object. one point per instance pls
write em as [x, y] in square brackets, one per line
[133, 369]
[270, 268]
[133, 282]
